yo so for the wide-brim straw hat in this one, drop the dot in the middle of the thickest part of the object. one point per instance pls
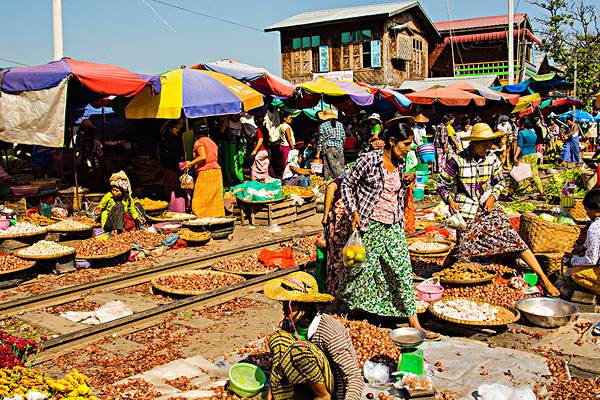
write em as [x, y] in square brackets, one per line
[327, 114]
[297, 286]
[403, 119]
[482, 132]
[421, 119]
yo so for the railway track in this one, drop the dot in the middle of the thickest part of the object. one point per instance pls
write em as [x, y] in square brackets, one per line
[141, 320]
[76, 292]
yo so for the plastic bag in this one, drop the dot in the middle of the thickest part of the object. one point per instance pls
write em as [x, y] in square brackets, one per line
[457, 222]
[354, 252]
[59, 209]
[521, 172]
[376, 373]
[497, 391]
[187, 181]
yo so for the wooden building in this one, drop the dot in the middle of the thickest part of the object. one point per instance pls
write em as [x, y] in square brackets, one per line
[381, 44]
[479, 46]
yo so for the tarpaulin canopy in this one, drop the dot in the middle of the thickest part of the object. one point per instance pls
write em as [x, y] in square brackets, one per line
[258, 78]
[336, 91]
[485, 92]
[105, 79]
[309, 112]
[446, 96]
[198, 93]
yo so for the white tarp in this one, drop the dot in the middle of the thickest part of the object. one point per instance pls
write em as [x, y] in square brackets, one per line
[34, 117]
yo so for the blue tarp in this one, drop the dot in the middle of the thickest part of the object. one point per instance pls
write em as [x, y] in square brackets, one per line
[580, 116]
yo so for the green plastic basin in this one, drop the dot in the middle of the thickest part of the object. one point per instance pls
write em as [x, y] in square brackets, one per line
[246, 380]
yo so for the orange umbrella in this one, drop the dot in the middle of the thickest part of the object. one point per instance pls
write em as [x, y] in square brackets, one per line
[447, 96]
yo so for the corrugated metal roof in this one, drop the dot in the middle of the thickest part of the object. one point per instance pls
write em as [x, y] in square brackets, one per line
[474, 23]
[339, 14]
[418, 85]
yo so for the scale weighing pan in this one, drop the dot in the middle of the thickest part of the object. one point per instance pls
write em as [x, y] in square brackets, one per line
[407, 337]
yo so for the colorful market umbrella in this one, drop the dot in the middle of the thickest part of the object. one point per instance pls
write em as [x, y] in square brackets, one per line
[104, 79]
[198, 93]
[527, 102]
[258, 78]
[580, 116]
[397, 99]
[482, 90]
[338, 91]
[446, 96]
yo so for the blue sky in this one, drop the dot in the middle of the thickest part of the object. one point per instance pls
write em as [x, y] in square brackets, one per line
[128, 33]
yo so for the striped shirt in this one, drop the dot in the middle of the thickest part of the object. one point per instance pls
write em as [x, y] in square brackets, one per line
[473, 181]
[328, 334]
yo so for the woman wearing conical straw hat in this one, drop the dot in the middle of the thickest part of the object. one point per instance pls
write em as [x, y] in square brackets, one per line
[470, 183]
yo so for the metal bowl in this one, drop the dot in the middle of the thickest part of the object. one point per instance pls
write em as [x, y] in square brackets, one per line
[546, 312]
[407, 337]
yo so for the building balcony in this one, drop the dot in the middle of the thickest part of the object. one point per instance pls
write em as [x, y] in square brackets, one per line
[499, 68]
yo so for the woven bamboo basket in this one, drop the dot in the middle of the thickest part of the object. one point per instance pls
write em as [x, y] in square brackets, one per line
[23, 268]
[42, 231]
[506, 315]
[170, 216]
[45, 257]
[446, 249]
[488, 278]
[587, 277]
[194, 237]
[170, 290]
[72, 230]
[547, 237]
[105, 256]
[578, 212]
[207, 222]
[552, 263]
[257, 273]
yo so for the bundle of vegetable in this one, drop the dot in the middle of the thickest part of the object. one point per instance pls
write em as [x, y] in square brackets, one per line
[519, 207]
[554, 185]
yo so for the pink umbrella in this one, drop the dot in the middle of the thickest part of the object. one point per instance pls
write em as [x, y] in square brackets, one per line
[446, 96]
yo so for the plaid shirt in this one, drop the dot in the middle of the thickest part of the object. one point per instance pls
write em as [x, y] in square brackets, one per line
[440, 140]
[474, 181]
[331, 136]
[363, 186]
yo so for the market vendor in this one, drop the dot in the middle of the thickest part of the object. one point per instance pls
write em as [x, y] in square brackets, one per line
[208, 190]
[373, 193]
[293, 174]
[591, 202]
[117, 210]
[313, 355]
[470, 183]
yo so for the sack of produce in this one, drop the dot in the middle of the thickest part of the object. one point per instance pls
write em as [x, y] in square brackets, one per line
[59, 209]
[354, 252]
[457, 222]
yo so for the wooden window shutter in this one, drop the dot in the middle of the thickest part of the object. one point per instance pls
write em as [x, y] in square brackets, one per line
[405, 48]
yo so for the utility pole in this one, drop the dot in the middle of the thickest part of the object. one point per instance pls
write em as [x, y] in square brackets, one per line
[57, 32]
[511, 42]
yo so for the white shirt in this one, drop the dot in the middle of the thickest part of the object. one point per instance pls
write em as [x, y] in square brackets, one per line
[592, 247]
[284, 142]
[419, 131]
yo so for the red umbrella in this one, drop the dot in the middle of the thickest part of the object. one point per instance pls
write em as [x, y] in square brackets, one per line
[446, 96]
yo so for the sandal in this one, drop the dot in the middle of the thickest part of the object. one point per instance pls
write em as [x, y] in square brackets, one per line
[433, 337]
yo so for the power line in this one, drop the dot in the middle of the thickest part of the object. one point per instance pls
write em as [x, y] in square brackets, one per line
[14, 62]
[212, 17]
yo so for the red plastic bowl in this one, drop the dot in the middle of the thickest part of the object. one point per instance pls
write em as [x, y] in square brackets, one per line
[24, 190]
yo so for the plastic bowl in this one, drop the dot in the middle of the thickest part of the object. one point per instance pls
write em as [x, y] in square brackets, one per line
[429, 290]
[246, 380]
[24, 190]
[4, 224]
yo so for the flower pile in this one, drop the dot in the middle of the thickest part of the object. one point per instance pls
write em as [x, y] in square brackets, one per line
[14, 351]
[21, 381]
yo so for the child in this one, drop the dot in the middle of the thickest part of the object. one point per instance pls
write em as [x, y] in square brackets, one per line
[591, 202]
[117, 210]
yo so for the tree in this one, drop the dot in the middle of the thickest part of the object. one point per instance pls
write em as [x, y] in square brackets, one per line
[570, 37]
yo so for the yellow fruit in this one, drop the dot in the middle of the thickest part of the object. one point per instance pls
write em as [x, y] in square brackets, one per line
[350, 254]
[349, 263]
[361, 256]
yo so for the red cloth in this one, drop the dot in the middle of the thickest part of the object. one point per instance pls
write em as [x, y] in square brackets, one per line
[409, 210]
[283, 258]
[107, 79]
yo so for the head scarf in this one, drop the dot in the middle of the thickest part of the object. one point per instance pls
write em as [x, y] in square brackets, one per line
[121, 181]
[293, 157]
